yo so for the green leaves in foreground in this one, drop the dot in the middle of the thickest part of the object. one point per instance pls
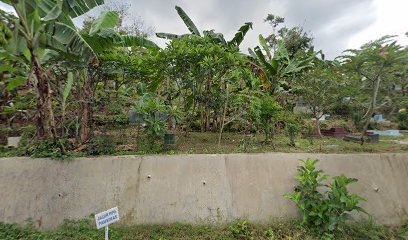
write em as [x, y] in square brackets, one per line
[323, 211]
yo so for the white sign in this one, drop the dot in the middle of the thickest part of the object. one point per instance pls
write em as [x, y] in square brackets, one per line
[105, 218]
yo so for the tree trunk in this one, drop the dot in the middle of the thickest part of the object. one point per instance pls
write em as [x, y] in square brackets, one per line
[223, 117]
[87, 103]
[44, 115]
[207, 104]
[371, 108]
[317, 124]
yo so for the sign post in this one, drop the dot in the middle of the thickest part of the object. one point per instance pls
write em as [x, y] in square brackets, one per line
[105, 218]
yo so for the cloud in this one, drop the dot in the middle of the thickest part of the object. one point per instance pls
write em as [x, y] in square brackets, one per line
[335, 24]
[331, 22]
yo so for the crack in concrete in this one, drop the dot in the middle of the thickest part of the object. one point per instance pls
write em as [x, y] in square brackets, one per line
[230, 206]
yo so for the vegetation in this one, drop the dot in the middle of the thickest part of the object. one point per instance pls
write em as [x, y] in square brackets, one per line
[106, 88]
[85, 229]
[80, 86]
[323, 211]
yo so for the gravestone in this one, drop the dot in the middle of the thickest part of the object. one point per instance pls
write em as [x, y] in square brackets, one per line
[337, 132]
[379, 118]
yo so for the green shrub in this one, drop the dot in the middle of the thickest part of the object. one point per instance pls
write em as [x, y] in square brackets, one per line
[14, 231]
[270, 113]
[47, 149]
[293, 130]
[358, 121]
[241, 230]
[403, 120]
[309, 133]
[155, 128]
[100, 146]
[323, 210]
[404, 230]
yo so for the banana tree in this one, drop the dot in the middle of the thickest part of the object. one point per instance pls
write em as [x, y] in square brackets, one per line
[219, 37]
[100, 37]
[41, 25]
[5, 32]
[276, 66]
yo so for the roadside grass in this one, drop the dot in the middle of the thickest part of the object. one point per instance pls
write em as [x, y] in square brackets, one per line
[85, 230]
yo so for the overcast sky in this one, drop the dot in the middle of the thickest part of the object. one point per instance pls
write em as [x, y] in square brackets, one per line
[336, 25]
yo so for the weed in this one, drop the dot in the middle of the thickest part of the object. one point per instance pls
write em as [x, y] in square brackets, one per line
[85, 229]
[241, 230]
[100, 146]
[47, 149]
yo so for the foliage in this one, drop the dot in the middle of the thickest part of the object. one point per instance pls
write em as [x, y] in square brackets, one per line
[403, 120]
[85, 229]
[216, 37]
[47, 149]
[155, 127]
[206, 76]
[100, 146]
[266, 113]
[241, 230]
[295, 38]
[155, 114]
[43, 28]
[73, 84]
[276, 68]
[318, 87]
[323, 210]
[293, 130]
[309, 133]
[371, 65]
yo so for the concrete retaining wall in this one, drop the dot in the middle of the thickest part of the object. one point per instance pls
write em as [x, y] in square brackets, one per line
[188, 188]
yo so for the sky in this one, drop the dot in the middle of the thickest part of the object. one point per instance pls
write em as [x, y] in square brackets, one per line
[336, 25]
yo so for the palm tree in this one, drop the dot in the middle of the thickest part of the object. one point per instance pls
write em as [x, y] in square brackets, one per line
[236, 41]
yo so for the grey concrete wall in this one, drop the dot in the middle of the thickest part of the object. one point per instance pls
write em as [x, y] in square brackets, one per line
[236, 186]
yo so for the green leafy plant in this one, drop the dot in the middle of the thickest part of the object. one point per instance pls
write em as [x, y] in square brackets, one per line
[403, 120]
[100, 146]
[269, 114]
[246, 143]
[309, 133]
[241, 230]
[358, 121]
[323, 211]
[293, 130]
[155, 128]
[154, 113]
[47, 149]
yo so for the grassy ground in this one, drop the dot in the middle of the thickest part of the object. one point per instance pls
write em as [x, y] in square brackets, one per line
[85, 229]
[127, 142]
[207, 143]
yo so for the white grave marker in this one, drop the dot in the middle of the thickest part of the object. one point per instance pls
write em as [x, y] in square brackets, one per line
[105, 218]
